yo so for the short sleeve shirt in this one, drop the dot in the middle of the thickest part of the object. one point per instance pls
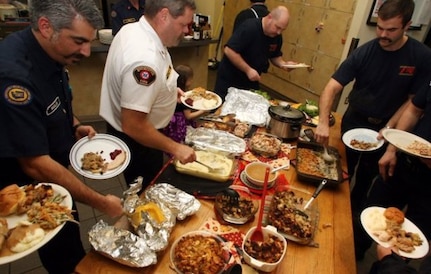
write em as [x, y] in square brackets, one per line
[139, 76]
[35, 103]
[384, 79]
[422, 100]
[123, 12]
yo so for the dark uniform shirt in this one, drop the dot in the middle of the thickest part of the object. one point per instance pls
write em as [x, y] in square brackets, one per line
[256, 9]
[422, 100]
[384, 79]
[255, 48]
[123, 12]
[35, 105]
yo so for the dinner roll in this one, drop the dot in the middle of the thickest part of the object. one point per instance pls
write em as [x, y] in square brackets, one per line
[394, 217]
[11, 198]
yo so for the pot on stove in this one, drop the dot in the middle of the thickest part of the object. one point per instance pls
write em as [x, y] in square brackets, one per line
[286, 122]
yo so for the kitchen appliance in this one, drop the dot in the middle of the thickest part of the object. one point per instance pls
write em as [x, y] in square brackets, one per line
[285, 121]
[8, 12]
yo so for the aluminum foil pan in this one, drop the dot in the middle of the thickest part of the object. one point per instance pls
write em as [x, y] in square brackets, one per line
[121, 245]
[248, 107]
[179, 202]
[215, 140]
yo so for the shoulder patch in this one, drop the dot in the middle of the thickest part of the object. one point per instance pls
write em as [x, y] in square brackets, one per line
[113, 14]
[17, 95]
[144, 75]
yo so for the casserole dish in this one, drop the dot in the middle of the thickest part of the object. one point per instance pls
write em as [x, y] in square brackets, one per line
[312, 168]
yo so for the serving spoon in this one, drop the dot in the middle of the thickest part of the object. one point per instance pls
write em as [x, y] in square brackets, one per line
[211, 169]
[326, 156]
[257, 235]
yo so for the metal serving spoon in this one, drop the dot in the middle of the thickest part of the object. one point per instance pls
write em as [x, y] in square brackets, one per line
[211, 169]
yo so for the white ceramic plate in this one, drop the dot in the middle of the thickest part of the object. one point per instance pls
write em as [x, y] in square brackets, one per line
[419, 252]
[202, 103]
[300, 65]
[362, 134]
[402, 139]
[15, 219]
[104, 144]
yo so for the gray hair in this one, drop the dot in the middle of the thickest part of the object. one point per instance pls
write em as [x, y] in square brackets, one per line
[61, 13]
[176, 7]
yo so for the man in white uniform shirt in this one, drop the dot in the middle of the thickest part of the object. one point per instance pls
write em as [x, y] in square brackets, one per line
[139, 87]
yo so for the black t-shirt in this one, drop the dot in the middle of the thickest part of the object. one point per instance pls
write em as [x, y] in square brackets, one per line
[256, 9]
[384, 79]
[422, 100]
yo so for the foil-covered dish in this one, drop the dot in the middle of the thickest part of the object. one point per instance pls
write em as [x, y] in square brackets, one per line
[121, 245]
[151, 216]
[215, 140]
[179, 202]
[248, 106]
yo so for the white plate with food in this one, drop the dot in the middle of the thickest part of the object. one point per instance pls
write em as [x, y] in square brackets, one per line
[372, 216]
[102, 157]
[408, 142]
[201, 99]
[293, 66]
[13, 221]
[362, 139]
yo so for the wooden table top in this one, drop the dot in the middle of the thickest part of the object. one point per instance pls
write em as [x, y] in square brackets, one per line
[334, 235]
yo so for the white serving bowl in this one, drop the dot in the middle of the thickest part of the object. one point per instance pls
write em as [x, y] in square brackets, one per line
[105, 36]
[255, 173]
[261, 265]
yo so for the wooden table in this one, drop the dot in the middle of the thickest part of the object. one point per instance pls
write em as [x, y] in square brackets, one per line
[334, 235]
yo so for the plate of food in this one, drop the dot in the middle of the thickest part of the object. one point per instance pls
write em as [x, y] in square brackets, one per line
[362, 139]
[30, 230]
[293, 66]
[201, 99]
[388, 227]
[408, 142]
[102, 157]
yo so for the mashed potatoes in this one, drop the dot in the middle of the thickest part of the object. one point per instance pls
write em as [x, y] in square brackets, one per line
[375, 220]
[222, 163]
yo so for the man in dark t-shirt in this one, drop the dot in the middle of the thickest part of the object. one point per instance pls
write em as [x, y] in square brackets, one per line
[257, 9]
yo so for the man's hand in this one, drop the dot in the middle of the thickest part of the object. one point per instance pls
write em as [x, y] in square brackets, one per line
[321, 134]
[114, 208]
[253, 75]
[84, 130]
[185, 154]
[387, 162]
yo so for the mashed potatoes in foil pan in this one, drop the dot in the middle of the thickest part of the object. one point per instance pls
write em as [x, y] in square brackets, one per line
[223, 164]
[121, 245]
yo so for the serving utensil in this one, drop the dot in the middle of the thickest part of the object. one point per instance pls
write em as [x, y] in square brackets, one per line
[326, 156]
[232, 194]
[316, 192]
[257, 235]
[211, 169]
[279, 168]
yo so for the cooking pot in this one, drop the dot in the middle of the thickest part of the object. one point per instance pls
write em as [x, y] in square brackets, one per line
[8, 11]
[285, 121]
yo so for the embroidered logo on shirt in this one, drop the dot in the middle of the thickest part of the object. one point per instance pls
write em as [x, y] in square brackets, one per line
[113, 14]
[17, 95]
[144, 75]
[407, 70]
[128, 20]
[272, 47]
[53, 106]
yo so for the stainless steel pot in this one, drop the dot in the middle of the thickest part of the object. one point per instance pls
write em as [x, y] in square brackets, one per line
[286, 122]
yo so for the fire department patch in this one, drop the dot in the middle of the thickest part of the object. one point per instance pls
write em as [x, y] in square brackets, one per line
[17, 95]
[144, 75]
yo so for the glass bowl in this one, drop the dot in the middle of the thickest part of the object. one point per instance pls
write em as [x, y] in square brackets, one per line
[236, 212]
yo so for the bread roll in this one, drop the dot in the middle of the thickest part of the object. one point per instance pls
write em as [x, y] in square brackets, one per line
[24, 236]
[11, 198]
[394, 217]
[3, 231]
